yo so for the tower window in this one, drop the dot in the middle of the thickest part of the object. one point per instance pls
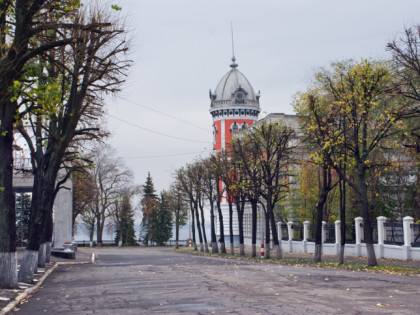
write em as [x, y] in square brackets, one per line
[235, 130]
[214, 134]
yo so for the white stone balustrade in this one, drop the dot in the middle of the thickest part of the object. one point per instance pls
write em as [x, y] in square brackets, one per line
[382, 250]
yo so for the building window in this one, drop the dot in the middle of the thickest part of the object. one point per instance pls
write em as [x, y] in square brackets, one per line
[235, 130]
[214, 134]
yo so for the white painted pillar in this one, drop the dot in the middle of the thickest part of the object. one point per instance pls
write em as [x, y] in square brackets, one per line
[337, 236]
[305, 230]
[358, 231]
[280, 234]
[381, 236]
[290, 230]
[324, 232]
[408, 230]
[381, 230]
[306, 225]
[337, 231]
[408, 236]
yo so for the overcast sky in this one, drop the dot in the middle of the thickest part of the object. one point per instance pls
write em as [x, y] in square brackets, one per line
[182, 48]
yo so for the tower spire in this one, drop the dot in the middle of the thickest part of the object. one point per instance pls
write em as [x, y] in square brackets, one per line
[234, 64]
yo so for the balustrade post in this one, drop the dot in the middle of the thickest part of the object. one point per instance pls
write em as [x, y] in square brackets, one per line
[337, 236]
[381, 235]
[305, 236]
[290, 232]
[408, 236]
[358, 231]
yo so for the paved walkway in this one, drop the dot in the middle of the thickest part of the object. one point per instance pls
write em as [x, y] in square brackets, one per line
[159, 280]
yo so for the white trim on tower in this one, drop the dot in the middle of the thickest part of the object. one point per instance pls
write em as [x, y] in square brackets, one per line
[222, 134]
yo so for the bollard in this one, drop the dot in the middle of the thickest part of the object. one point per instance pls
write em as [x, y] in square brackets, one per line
[262, 250]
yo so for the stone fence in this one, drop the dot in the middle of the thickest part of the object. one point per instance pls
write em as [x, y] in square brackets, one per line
[404, 251]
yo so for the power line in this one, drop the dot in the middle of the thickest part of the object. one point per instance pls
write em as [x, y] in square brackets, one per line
[156, 132]
[164, 114]
[160, 156]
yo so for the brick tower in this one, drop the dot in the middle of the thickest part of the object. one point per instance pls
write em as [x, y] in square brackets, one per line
[234, 107]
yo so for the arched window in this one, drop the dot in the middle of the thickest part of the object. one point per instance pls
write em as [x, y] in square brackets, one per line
[235, 130]
[214, 134]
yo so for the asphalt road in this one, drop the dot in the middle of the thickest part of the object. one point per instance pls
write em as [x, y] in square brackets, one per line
[159, 280]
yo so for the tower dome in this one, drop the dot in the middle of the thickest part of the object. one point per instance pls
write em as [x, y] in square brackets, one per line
[234, 107]
[234, 92]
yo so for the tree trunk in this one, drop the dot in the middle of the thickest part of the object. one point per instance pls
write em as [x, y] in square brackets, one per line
[221, 229]
[8, 270]
[223, 248]
[193, 226]
[240, 210]
[342, 219]
[203, 227]
[48, 251]
[367, 224]
[200, 235]
[38, 224]
[253, 250]
[232, 245]
[276, 242]
[267, 237]
[8, 263]
[254, 228]
[28, 266]
[177, 233]
[214, 248]
[42, 255]
[100, 229]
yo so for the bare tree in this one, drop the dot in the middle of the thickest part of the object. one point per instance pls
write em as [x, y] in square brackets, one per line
[110, 176]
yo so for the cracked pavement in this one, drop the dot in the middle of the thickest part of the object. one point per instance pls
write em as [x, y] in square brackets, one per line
[159, 280]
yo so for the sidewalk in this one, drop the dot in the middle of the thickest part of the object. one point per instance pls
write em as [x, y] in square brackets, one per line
[16, 295]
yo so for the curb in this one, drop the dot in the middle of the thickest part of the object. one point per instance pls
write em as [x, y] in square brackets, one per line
[22, 296]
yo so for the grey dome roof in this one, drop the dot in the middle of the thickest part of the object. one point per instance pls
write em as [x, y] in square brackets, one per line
[231, 82]
[235, 90]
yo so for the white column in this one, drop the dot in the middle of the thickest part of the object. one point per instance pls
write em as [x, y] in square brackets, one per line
[290, 230]
[381, 236]
[305, 236]
[324, 232]
[408, 236]
[337, 231]
[358, 229]
[408, 231]
[381, 230]
[305, 230]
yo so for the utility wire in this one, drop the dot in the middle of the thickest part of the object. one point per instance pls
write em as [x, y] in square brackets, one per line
[164, 114]
[156, 132]
[160, 156]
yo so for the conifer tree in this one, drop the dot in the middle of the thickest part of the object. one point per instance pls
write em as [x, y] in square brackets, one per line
[162, 221]
[149, 207]
[125, 229]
